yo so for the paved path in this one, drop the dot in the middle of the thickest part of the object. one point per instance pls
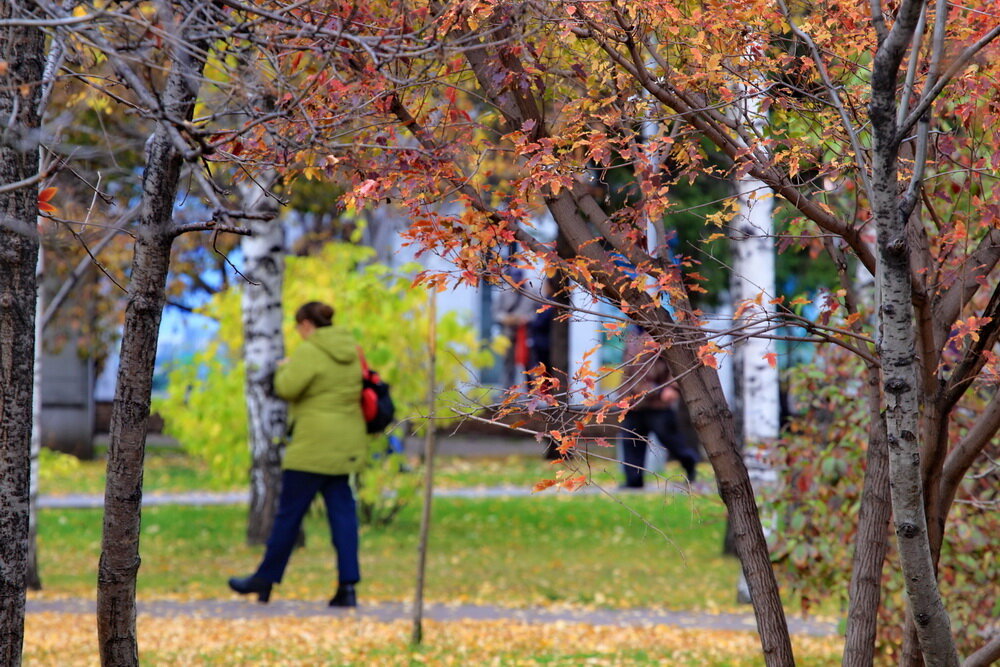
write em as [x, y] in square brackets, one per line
[394, 611]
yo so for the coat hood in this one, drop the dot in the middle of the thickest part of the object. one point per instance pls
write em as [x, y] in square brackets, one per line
[337, 343]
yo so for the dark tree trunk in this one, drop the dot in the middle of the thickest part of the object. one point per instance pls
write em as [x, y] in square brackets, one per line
[22, 51]
[872, 541]
[559, 335]
[898, 352]
[559, 339]
[119, 562]
[716, 429]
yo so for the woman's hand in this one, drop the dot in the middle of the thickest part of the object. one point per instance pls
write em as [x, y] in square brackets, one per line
[282, 362]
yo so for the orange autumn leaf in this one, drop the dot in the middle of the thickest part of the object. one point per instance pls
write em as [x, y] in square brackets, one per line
[706, 355]
[544, 484]
[44, 197]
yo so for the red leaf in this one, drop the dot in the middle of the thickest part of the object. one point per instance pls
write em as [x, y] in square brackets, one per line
[43, 200]
[544, 484]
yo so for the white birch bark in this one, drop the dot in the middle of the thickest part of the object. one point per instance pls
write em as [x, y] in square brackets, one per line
[753, 285]
[753, 263]
[53, 61]
[33, 577]
[263, 347]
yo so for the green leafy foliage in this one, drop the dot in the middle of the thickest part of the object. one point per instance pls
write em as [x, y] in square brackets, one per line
[205, 407]
[823, 455]
[54, 466]
[205, 410]
[385, 487]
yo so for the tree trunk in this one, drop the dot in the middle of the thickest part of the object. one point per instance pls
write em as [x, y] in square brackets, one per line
[559, 334]
[872, 540]
[715, 426]
[699, 385]
[119, 562]
[736, 404]
[713, 422]
[53, 61]
[263, 347]
[22, 50]
[430, 446]
[753, 263]
[754, 288]
[33, 578]
[897, 351]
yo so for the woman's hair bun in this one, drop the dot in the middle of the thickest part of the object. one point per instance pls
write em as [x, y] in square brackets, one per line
[317, 312]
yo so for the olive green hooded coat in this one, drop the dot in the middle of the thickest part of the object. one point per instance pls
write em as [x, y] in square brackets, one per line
[322, 383]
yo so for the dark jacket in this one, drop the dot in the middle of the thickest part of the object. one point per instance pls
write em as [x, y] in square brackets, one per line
[644, 371]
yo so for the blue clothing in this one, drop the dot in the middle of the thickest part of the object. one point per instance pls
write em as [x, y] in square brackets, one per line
[298, 488]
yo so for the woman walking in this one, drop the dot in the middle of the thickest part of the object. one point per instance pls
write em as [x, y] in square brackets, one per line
[322, 383]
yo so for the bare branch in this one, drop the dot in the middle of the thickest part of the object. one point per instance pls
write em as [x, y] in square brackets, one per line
[210, 226]
[911, 68]
[81, 268]
[979, 263]
[985, 656]
[956, 66]
[878, 20]
[973, 358]
[831, 89]
[938, 44]
[23, 183]
[53, 22]
[965, 453]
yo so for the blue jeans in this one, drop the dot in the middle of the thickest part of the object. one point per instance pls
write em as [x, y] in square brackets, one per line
[297, 492]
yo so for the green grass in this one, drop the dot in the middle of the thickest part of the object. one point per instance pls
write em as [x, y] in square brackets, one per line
[547, 549]
[172, 470]
[164, 471]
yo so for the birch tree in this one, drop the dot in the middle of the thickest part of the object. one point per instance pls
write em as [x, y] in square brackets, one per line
[754, 293]
[263, 347]
[53, 61]
[33, 579]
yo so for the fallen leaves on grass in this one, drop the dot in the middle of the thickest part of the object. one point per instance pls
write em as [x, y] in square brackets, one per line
[71, 639]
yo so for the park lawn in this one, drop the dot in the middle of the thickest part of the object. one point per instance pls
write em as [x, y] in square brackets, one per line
[165, 471]
[60, 639]
[525, 471]
[553, 548]
[171, 470]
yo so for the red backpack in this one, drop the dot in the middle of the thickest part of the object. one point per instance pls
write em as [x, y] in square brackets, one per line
[376, 402]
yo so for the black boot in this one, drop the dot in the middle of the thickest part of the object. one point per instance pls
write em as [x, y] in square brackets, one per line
[345, 596]
[251, 584]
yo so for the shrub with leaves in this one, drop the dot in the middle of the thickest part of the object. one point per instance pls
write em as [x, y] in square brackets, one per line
[822, 457]
[205, 407]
